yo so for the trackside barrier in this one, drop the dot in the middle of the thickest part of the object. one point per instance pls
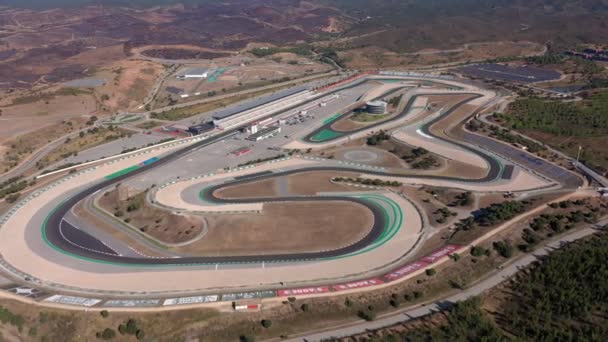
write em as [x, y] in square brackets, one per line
[414, 74]
[303, 291]
[345, 81]
[358, 284]
[190, 300]
[405, 270]
[116, 158]
[394, 275]
[247, 307]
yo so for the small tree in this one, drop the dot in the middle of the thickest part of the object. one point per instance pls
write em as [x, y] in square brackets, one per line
[266, 323]
[348, 302]
[247, 338]
[108, 334]
[367, 315]
[305, 307]
[430, 272]
[504, 248]
[477, 251]
[104, 313]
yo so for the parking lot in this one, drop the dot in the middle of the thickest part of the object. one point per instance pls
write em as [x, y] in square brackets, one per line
[221, 154]
[518, 74]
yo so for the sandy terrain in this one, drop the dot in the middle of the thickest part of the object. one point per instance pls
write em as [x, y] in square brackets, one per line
[412, 136]
[128, 83]
[102, 225]
[162, 225]
[284, 228]
[242, 72]
[28, 117]
[384, 158]
[21, 147]
[371, 57]
[263, 188]
[311, 183]
[347, 125]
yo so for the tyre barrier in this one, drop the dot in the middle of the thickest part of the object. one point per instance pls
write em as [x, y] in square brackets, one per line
[396, 274]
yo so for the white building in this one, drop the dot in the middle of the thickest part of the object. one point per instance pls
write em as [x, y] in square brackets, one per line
[194, 73]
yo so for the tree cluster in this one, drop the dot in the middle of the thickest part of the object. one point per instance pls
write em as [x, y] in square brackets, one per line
[378, 138]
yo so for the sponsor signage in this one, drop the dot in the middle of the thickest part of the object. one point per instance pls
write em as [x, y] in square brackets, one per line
[131, 303]
[405, 270]
[358, 284]
[303, 291]
[70, 300]
[248, 295]
[190, 300]
[441, 253]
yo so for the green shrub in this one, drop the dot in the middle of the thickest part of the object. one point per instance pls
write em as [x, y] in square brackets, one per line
[503, 248]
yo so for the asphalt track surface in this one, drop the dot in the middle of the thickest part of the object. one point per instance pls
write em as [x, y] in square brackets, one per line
[55, 227]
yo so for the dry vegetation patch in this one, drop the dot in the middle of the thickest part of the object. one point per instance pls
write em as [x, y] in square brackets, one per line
[313, 182]
[261, 188]
[291, 227]
[163, 225]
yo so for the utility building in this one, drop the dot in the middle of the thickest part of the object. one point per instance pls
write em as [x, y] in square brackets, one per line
[376, 107]
[265, 133]
[200, 128]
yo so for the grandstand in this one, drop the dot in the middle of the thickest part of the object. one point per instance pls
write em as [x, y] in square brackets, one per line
[258, 113]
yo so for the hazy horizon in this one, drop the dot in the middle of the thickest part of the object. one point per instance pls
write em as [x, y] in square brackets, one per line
[49, 4]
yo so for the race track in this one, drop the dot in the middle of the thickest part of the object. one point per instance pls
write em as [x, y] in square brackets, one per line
[67, 241]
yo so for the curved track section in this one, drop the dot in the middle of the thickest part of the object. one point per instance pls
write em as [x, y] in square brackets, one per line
[53, 233]
[55, 236]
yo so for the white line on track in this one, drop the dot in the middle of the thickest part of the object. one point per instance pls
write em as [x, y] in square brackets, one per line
[420, 132]
[79, 246]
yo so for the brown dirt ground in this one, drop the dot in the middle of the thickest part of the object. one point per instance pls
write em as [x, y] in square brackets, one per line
[371, 57]
[78, 144]
[429, 204]
[284, 227]
[347, 124]
[310, 183]
[455, 167]
[457, 116]
[165, 226]
[71, 325]
[489, 199]
[112, 230]
[262, 188]
[20, 147]
[128, 83]
[385, 158]
[29, 117]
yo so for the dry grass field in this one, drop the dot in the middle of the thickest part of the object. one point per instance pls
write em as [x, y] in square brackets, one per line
[165, 226]
[284, 228]
[262, 188]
